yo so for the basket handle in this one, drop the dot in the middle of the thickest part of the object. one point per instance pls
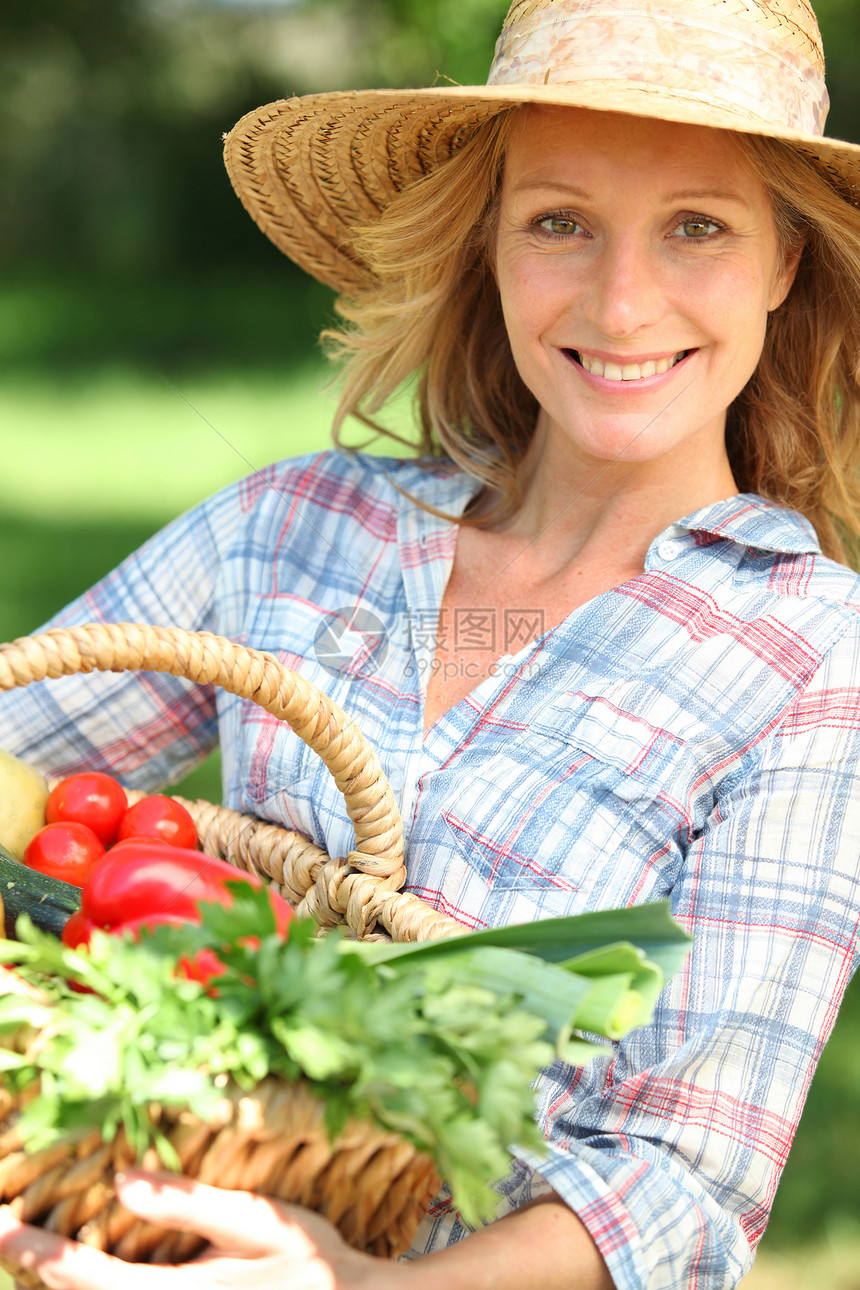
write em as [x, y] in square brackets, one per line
[359, 890]
[250, 674]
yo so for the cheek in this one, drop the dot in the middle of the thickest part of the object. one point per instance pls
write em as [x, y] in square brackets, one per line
[747, 324]
[532, 298]
[732, 303]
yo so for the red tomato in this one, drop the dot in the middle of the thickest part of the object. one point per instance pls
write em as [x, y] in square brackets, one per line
[91, 798]
[202, 967]
[77, 930]
[67, 851]
[139, 879]
[161, 819]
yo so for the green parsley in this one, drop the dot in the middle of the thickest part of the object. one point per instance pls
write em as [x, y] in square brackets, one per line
[440, 1042]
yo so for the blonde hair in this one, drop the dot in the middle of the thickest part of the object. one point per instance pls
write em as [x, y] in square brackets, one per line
[431, 309]
[793, 433]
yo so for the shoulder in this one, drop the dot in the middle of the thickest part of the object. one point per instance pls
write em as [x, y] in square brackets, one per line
[336, 479]
[766, 560]
[333, 520]
[743, 590]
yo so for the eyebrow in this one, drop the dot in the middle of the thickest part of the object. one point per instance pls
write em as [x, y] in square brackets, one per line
[526, 185]
[708, 195]
[685, 195]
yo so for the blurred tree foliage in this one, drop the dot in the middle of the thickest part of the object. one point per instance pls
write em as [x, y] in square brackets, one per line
[119, 219]
[111, 111]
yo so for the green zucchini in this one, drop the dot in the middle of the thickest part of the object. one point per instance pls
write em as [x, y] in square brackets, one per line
[48, 901]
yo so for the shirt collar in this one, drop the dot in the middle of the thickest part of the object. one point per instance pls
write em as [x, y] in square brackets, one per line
[746, 518]
[750, 520]
[443, 485]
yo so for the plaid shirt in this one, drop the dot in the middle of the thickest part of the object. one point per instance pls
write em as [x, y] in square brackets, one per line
[693, 733]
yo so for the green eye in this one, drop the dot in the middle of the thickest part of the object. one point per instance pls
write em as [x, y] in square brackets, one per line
[559, 225]
[697, 227]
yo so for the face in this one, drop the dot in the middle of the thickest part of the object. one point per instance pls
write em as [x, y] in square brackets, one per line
[637, 261]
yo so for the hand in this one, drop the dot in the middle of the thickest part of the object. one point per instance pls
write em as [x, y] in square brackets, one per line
[255, 1244]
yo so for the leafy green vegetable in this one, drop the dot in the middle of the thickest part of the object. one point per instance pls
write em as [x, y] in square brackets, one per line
[650, 928]
[440, 1042]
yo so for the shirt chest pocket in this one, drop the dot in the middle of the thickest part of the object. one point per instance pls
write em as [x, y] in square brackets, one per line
[549, 822]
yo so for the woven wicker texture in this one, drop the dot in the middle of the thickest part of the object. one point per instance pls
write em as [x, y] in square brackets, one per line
[372, 1185]
[307, 169]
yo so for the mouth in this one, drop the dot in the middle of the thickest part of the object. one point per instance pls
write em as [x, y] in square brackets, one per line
[626, 371]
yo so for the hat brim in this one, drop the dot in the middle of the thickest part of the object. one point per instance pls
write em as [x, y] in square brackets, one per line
[307, 169]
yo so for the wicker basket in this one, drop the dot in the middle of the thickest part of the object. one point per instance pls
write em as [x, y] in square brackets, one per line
[373, 1185]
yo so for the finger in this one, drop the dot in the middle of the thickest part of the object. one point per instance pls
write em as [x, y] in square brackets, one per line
[67, 1265]
[231, 1220]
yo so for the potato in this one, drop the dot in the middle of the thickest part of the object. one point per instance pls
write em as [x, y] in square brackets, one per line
[23, 794]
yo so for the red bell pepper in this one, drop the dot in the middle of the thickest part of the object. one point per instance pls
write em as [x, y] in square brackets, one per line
[203, 967]
[141, 880]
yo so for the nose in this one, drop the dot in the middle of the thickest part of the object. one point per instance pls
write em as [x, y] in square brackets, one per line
[626, 291]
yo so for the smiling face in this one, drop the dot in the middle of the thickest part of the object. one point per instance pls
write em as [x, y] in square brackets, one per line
[636, 261]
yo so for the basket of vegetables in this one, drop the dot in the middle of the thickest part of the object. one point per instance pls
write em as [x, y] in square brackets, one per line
[217, 1034]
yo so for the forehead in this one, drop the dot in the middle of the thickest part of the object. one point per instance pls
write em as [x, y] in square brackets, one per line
[578, 147]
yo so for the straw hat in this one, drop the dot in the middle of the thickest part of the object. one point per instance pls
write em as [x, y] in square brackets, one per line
[307, 168]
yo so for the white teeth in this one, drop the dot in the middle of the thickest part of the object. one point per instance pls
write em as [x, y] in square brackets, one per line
[628, 371]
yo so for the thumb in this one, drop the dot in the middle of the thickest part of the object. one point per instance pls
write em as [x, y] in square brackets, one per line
[236, 1220]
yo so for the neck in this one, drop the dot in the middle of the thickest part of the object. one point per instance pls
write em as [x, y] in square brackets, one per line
[573, 509]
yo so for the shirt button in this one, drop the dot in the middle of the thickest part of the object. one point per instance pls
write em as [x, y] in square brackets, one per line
[668, 550]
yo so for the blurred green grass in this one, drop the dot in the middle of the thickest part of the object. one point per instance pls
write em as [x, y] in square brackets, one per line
[99, 454]
[101, 451]
[118, 446]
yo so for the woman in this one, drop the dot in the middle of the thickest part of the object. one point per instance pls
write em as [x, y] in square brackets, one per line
[598, 667]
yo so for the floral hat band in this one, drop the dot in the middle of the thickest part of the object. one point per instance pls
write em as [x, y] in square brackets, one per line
[772, 73]
[308, 168]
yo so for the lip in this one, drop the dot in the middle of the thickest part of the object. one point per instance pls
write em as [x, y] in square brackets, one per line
[606, 356]
[627, 387]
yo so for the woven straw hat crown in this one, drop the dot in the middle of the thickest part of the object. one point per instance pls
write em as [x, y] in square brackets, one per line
[308, 168]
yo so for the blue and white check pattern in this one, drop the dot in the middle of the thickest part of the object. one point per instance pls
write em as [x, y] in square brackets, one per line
[693, 734]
